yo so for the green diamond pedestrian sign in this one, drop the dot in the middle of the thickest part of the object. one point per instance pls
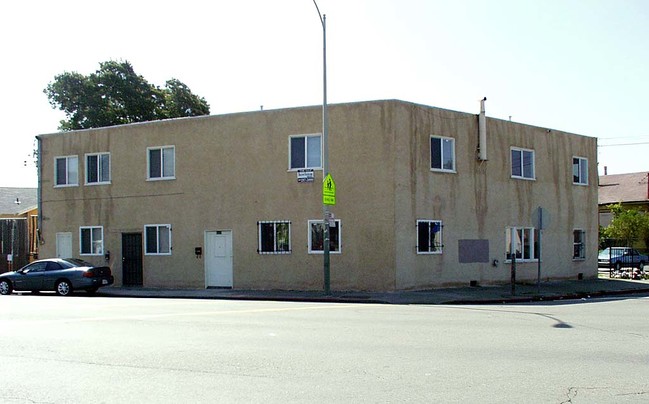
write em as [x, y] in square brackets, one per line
[328, 191]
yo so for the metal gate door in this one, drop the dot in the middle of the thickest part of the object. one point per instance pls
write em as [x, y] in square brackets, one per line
[132, 259]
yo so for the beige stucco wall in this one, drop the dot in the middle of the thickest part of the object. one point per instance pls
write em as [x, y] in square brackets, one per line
[481, 199]
[232, 171]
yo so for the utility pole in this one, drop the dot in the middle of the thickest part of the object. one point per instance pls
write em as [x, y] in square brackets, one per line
[325, 147]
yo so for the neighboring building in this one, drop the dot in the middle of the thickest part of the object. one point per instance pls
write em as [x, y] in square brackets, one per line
[214, 201]
[18, 227]
[631, 190]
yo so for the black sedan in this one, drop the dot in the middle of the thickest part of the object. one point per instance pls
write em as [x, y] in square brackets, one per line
[60, 275]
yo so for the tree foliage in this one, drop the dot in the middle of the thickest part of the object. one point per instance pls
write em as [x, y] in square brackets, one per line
[116, 95]
[628, 224]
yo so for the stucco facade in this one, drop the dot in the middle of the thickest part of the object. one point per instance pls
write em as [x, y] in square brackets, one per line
[231, 172]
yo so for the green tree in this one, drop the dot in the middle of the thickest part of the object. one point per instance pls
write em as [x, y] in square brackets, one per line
[628, 224]
[116, 95]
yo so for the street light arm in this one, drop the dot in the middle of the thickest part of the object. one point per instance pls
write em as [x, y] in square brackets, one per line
[319, 14]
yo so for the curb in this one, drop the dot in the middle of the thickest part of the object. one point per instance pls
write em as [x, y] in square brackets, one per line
[394, 299]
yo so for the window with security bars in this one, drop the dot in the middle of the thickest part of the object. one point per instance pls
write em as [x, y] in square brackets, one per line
[523, 241]
[578, 251]
[274, 237]
[429, 237]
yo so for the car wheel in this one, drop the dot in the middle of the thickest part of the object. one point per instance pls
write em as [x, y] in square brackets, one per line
[63, 288]
[5, 287]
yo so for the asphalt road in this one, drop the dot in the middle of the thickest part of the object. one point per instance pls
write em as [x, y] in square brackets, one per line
[125, 350]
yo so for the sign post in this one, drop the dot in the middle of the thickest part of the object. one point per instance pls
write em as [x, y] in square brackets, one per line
[512, 270]
[541, 220]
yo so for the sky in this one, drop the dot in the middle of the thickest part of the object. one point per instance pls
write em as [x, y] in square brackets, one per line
[579, 66]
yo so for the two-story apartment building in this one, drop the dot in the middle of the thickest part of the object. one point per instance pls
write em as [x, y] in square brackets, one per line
[424, 198]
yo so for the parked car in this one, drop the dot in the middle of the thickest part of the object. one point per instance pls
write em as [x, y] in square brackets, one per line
[60, 275]
[620, 257]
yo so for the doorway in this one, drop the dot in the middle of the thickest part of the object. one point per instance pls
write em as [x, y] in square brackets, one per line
[218, 259]
[132, 259]
[64, 245]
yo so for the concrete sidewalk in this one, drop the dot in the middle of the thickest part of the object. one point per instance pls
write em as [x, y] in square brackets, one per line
[557, 290]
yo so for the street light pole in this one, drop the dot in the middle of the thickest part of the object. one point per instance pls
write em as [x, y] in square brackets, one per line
[325, 147]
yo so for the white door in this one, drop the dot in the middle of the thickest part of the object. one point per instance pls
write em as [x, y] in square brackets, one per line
[64, 245]
[218, 259]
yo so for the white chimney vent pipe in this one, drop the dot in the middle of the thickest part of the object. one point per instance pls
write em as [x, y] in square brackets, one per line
[482, 131]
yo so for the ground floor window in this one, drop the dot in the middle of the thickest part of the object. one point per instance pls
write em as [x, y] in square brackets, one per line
[316, 236]
[274, 237]
[524, 243]
[157, 239]
[91, 240]
[429, 237]
[578, 250]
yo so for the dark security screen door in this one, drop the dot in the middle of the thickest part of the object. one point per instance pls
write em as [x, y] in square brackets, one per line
[132, 259]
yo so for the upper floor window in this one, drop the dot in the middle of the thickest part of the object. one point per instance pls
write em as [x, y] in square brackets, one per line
[66, 171]
[429, 237]
[157, 239]
[442, 153]
[91, 240]
[305, 151]
[316, 237]
[98, 168]
[523, 241]
[579, 171]
[274, 237]
[161, 163]
[522, 163]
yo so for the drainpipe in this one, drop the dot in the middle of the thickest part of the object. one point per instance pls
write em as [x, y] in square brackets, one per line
[39, 190]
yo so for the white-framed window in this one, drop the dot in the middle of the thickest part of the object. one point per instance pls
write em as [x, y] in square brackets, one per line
[305, 151]
[91, 240]
[579, 244]
[157, 239]
[316, 237]
[442, 154]
[97, 168]
[161, 163]
[580, 171]
[429, 237]
[522, 161]
[66, 171]
[525, 243]
[274, 237]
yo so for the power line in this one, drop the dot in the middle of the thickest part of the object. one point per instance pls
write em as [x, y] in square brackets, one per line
[622, 144]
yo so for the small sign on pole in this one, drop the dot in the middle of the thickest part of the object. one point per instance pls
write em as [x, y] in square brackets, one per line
[330, 219]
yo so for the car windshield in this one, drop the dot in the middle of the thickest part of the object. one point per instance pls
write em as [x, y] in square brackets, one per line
[611, 252]
[75, 262]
